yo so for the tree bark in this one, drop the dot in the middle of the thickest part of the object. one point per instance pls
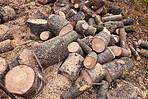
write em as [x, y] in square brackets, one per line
[129, 21]
[122, 37]
[87, 11]
[125, 52]
[79, 16]
[98, 27]
[143, 44]
[91, 22]
[116, 50]
[114, 9]
[71, 13]
[112, 18]
[64, 9]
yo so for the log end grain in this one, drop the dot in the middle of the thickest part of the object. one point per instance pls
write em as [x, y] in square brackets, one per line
[45, 35]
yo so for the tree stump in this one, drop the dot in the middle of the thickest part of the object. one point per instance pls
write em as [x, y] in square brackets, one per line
[98, 20]
[143, 44]
[112, 18]
[44, 36]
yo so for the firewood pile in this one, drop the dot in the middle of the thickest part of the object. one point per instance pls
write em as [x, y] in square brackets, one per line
[89, 38]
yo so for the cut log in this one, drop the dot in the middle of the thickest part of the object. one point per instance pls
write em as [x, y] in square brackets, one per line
[71, 13]
[101, 11]
[72, 66]
[114, 39]
[64, 9]
[116, 50]
[96, 4]
[105, 56]
[112, 18]
[58, 25]
[44, 36]
[87, 40]
[37, 26]
[91, 22]
[24, 81]
[125, 52]
[122, 37]
[79, 3]
[90, 60]
[74, 47]
[101, 40]
[46, 1]
[129, 29]
[55, 49]
[87, 11]
[143, 44]
[98, 27]
[79, 16]
[114, 9]
[7, 13]
[6, 46]
[134, 52]
[102, 90]
[129, 21]
[144, 52]
[5, 33]
[119, 24]
[98, 20]
[137, 47]
[39, 15]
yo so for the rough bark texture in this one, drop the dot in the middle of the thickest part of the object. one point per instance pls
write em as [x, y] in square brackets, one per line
[116, 24]
[71, 13]
[114, 9]
[143, 44]
[122, 37]
[87, 11]
[125, 52]
[46, 1]
[144, 52]
[72, 66]
[128, 21]
[98, 27]
[134, 52]
[136, 46]
[64, 9]
[91, 21]
[79, 16]
[112, 18]
[44, 36]
[114, 39]
[87, 40]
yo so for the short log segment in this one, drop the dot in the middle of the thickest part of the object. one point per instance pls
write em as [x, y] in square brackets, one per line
[24, 81]
[71, 13]
[122, 36]
[44, 36]
[114, 9]
[72, 66]
[116, 50]
[55, 49]
[96, 4]
[125, 52]
[117, 24]
[144, 52]
[101, 40]
[98, 20]
[87, 11]
[112, 18]
[6, 46]
[46, 1]
[98, 27]
[129, 21]
[114, 39]
[64, 9]
[90, 60]
[143, 44]
[91, 21]
[58, 25]
[79, 16]
[134, 52]
[5, 33]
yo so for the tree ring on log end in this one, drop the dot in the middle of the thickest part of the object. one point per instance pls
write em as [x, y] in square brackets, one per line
[98, 45]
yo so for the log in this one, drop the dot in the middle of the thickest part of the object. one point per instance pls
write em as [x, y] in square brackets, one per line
[44, 36]
[64, 9]
[5, 33]
[96, 4]
[7, 13]
[55, 49]
[46, 1]
[90, 60]
[87, 11]
[122, 37]
[72, 66]
[102, 90]
[116, 50]
[136, 46]
[98, 20]
[143, 43]
[129, 21]
[105, 56]
[98, 27]
[39, 15]
[79, 16]
[125, 52]
[114, 9]
[37, 26]
[24, 81]
[58, 25]
[79, 3]
[112, 18]
[101, 40]
[144, 52]
[119, 24]
[87, 40]
[91, 22]
[114, 39]
[6, 46]
[129, 29]
[134, 52]
[101, 11]
[71, 13]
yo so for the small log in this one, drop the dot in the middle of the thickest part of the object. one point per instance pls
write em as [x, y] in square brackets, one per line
[44, 36]
[90, 60]
[71, 13]
[122, 37]
[37, 26]
[96, 4]
[74, 47]
[6, 46]
[46, 1]
[114, 9]
[129, 21]
[39, 15]
[102, 90]
[98, 27]
[101, 11]
[134, 52]
[129, 29]
[125, 52]
[143, 43]
[144, 52]
[114, 39]
[24, 81]
[79, 16]
[105, 56]
[91, 22]
[87, 40]
[5, 33]
[112, 18]
[58, 25]
[87, 11]
[137, 47]
[64, 9]
[79, 3]
[98, 20]
[116, 50]
[72, 66]
[119, 24]
[101, 40]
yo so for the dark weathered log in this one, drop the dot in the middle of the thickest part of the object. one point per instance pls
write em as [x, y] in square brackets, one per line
[55, 49]
[72, 66]
[79, 16]
[129, 29]
[119, 24]
[123, 92]
[105, 56]
[125, 52]
[46, 1]
[101, 11]
[129, 21]
[114, 39]
[98, 27]
[98, 20]
[144, 52]
[143, 43]
[134, 52]
[90, 60]
[5, 33]
[37, 26]
[58, 25]
[44, 36]
[6, 46]
[112, 18]
[116, 50]
[64, 9]
[71, 13]
[24, 81]
[79, 3]
[114, 9]
[102, 90]
[87, 11]
[122, 37]
[101, 40]
[91, 21]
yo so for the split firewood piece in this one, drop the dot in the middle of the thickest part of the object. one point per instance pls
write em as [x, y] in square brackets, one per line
[95, 4]
[90, 60]
[54, 50]
[5, 33]
[134, 52]
[37, 26]
[64, 9]
[7, 13]
[46, 1]
[44, 36]
[114, 9]
[91, 22]
[112, 18]
[122, 37]
[79, 16]
[72, 66]
[144, 52]
[87, 11]
[24, 81]
[84, 46]
[125, 52]
[129, 21]
[105, 56]
[6, 46]
[83, 27]
[4, 68]
[143, 44]
[102, 90]
[129, 29]
[114, 39]
[101, 40]
[116, 50]
[74, 47]
[71, 13]
[98, 27]
[123, 92]
[58, 25]
[98, 20]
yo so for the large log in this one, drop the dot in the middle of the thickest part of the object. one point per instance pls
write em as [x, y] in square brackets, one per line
[143, 43]
[72, 66]
[114, 9]
[112, 18]
[91, 21]
[119, 24]
[122, 37]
